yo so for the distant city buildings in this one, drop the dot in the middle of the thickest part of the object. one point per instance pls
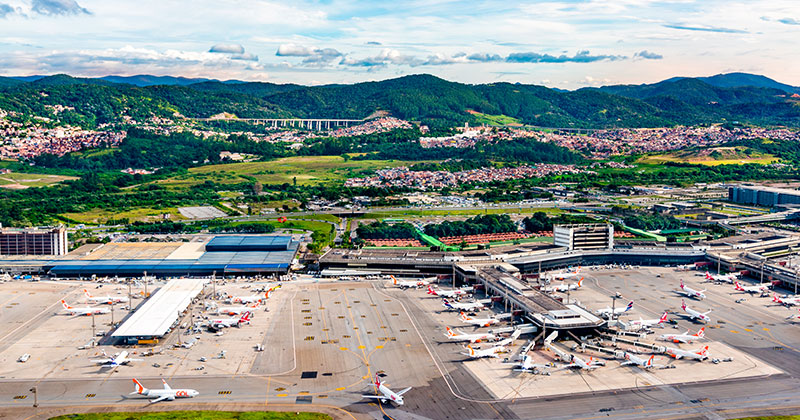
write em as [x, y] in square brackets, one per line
[425, 180]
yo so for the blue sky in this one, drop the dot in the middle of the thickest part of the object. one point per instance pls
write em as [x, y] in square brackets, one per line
[566, 44]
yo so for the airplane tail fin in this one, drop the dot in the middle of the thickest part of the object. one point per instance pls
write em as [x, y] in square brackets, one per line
[65, 305]
[377, 383]
[663, 318]
[464, 316]
[683, 304]
[701, 333]
[737, 286]
[629, 307]
[708, 276]
[246, 316]
[703, 351]
[650, 361]
[138, 388]
[86, 293]
[775, 298]
[394, 280]
[580, 282]
[450, 332]
[431, 291]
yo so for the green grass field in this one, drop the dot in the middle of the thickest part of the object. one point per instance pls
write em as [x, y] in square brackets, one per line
[712, 157]
[17, 180]
[98, 216]
[309, 170]
[198, 415]
[488, 119]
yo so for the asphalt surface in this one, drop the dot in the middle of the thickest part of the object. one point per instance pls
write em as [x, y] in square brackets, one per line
[350, 318]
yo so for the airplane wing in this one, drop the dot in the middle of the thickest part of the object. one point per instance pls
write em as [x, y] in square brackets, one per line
[102, 361]
[404, 391]
[161, 398]
[377, 397]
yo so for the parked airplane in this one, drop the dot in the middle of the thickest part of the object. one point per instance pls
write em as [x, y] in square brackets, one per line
[386, 394]
[472, 338]
[647, 323]
[230, 322]
[688, 291]
[447, 293]
[163, 394]
[695, 315]
[563, 276]
[564, 287]
[83, 311]
[118, 360]
[478, 322]
[608, 312]
[720, 278]
[759, 288]
[701, 354]
[459, 306]
[237, 310]
[788, 301]
[104, 299]
[250, 299]
[480, 353]
[579, 363]
[684, 338]
[409, 283]
[633, 360]
[527, 365]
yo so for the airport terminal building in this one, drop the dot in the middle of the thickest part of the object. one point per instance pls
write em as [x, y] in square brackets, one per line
[223, 255]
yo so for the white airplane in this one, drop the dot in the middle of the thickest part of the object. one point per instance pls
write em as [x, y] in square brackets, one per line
[608, 312]
[237, 310]
[490, 352]
[119, 359]
[759, 288]
[163, 394]
[459, 306]
[409, 283]
[579, 363]
[684, 338]
[447, 293]
[689, 292]
[386, 394]
[787, 301]
[695, 315]
[230, 322]
[701, 354]
[647, 323]
[527, 365]
[564, 276]
[564, 287]
[104, 299]
[83, 311]
[726, 278]
[633, 360]
[472, 338]
[478, 322]
[250, 299]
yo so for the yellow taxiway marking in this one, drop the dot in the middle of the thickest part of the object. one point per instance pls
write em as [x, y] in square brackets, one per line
[766, 329]
[365, 377]
[282, 395]
[378, 347]
[748, 330]
[341, 388]
[343, 348]
[362, 347]
[735, 332]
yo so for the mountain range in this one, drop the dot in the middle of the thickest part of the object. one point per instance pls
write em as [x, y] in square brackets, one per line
[741, 97]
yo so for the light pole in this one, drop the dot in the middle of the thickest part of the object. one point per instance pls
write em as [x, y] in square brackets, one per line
[613, 305]
[35, 391]
[130, 296]
[93, 332]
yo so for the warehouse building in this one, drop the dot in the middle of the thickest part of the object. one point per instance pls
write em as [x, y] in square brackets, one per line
[763, 196]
